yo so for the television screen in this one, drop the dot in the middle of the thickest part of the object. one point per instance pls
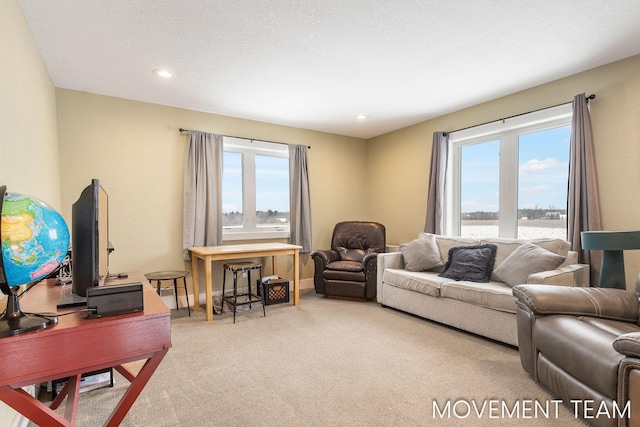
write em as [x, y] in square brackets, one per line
[90, 245]
[104, 247]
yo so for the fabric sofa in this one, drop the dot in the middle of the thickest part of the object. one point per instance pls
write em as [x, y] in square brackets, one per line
[583, 345]
[409, 282]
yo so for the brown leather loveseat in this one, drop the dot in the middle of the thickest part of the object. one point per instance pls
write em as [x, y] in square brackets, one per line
[583, 345]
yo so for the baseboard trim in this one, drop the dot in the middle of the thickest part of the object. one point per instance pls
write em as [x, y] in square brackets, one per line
[170, 299]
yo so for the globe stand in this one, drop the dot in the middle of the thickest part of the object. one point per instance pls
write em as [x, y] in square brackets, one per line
[14, 321]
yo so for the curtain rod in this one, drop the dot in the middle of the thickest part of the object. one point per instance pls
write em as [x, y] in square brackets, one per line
[592, 96]
[182, 130]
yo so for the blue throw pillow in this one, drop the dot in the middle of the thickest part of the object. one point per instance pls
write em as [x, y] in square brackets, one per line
[471, 263]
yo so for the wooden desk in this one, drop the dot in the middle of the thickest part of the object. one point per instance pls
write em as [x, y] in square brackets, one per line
[208, 254]
[77, 345]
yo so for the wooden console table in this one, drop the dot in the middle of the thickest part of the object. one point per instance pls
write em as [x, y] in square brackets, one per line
[76, 345]
[208, 254]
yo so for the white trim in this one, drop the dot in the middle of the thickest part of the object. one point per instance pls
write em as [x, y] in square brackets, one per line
[170, 299]
[507, 131]
[255, 235]
[240, 145]
[249, 150]
[540, 117]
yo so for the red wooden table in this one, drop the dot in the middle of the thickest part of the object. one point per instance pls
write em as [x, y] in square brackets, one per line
[76, 345]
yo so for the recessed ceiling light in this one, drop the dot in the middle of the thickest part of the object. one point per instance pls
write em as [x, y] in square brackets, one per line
[162, 73]
[361, 117]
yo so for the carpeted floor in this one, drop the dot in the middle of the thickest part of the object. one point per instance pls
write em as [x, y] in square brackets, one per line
[330, 362]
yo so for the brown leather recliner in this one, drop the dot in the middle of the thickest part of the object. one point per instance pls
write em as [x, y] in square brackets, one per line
[349, 268]
[583, 345]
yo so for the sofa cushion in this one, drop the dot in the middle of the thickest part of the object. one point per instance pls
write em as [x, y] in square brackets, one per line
[424, 282]
[350, 254]
[507, 246]
[344, 270]
[494, 295]
[421, 254]
[525, 260]
[345, 266]
[471, 263]
[445, 243]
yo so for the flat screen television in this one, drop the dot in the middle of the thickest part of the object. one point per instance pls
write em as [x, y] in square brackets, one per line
[90, 247]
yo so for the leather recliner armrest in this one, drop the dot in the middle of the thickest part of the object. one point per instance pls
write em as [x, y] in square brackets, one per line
[628, 344]
[371, 257]
[617, 304]
[326, 255]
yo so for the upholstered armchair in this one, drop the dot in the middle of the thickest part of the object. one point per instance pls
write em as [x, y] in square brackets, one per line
[583, 345]
[349, 268]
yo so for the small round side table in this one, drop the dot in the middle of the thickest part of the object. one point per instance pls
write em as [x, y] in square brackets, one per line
[612, 244]
[174, 275]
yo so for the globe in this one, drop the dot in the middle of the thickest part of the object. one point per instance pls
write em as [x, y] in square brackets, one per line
[34, 236]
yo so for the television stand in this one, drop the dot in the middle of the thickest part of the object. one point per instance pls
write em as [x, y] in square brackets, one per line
[97, 344]
[70, 299]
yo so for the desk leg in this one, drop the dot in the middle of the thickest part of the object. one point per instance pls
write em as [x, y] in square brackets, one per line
[32, 408]
[71, 391]
[296, 277]
[196, 284]
[136, 386]
[42, 415]
[208, 285]
[73, 395]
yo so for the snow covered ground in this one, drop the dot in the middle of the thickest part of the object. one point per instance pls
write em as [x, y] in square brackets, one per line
[526, 229]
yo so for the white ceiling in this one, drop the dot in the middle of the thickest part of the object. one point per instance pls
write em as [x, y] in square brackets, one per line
[316, 64]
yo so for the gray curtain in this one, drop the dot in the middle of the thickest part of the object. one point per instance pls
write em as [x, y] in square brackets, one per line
[300, 203]
[583, 211]
[435, 198]
[202, 214]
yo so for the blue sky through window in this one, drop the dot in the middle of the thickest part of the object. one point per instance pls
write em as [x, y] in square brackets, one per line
[544, 168]
[543, 172]
[232, 182]
[272, 183]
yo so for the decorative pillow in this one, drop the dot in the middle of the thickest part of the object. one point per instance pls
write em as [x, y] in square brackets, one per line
[471, 263]
[526, 260]
[421, 254]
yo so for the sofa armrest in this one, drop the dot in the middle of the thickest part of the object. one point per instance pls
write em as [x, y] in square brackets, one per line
[628, 344]
[608, 303]
[392, 248]
[390, 260]
[569, 275]
[387, 260]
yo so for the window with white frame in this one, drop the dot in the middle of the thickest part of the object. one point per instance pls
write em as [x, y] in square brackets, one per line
[255, 189]
[510, 178]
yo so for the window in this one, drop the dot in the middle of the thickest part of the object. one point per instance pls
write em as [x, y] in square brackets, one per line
[510, 178]
[255, 189]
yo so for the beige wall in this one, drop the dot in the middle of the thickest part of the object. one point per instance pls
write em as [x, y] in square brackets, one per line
[28, 139]
[399, 161]
[137, 153]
